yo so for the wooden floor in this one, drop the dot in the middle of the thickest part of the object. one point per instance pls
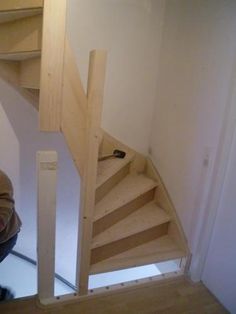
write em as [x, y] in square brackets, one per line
[171, 297]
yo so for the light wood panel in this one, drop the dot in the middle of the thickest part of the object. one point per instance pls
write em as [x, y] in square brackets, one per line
[143, 225]
[74, 110]
[10, 73]
[131, 187]
[32, 95]
[163, 200]
[108, 168]
[96, 81]
[21, 35]
[47, 182]
[30, 73]
[122, 212]
[20, 56]
[7, 16]
[125, 244]
[20, 4]
[107, 186]
[161, 249]
[110, 143]
[146, 217]
[54, 20]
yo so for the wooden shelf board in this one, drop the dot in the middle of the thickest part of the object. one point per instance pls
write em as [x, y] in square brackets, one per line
[161, 249]
[147, 217]
[8, 16]
[20, 56]
[125, 191]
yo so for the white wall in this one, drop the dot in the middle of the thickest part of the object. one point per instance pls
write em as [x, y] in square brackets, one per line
[129, 30]
[195, 71]
[220, 272]
[20, 140]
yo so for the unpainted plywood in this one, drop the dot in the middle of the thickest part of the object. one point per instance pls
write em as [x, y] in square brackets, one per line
[30, 73]
[21, 35]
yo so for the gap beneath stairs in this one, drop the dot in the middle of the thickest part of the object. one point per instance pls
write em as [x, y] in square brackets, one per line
[21, 276]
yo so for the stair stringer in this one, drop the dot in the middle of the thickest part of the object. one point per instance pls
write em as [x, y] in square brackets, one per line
[163, 199]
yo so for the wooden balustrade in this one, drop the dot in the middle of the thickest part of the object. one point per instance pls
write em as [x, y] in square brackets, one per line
[65, 106]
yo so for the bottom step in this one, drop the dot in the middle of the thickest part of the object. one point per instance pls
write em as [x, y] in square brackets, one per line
[161, 249]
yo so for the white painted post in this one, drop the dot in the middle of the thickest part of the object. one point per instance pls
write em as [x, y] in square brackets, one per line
[47, 177]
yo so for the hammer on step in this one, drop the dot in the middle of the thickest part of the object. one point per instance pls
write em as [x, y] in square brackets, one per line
[116, 154]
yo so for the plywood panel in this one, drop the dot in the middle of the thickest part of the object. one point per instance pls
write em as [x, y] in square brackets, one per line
[54, 20]
[30, 73]
[123, 245]
[20, 4]
[74, 110]
[6, 16]
[20, 56]
[21, 35]
[47, 182]
[161, 249]
[10, 73]
[96, 81]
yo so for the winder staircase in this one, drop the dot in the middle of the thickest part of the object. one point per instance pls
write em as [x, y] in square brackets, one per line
[127, 216]
[134, 221]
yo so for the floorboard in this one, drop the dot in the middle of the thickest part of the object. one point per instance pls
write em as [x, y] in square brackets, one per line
[175, 296]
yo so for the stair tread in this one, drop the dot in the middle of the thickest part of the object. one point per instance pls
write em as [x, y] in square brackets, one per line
[132, 186]
[148, 216]
[20, 56]
[12, 15]
[107, 168]
[161, 249]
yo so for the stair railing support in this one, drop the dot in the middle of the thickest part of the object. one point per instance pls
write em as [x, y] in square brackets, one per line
[47, 178]
[95, 92]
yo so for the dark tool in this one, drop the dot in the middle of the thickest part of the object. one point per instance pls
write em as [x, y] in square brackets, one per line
[116, 154]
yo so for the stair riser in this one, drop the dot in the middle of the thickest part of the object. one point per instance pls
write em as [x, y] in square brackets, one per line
[21, 35]
[110, 183]
[20, 5]
[136, 261]
[114, 248]
[30, 73]
[122, 212]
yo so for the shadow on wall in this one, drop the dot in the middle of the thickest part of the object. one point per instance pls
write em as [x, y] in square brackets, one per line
[23, 121]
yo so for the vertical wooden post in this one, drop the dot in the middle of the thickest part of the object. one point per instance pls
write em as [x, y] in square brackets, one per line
[96, 80]
[54, 27]
[47, 173]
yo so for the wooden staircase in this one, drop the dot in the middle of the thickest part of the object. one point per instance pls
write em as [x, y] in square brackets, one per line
[126, 216]
[134, 221]
[20, 46]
